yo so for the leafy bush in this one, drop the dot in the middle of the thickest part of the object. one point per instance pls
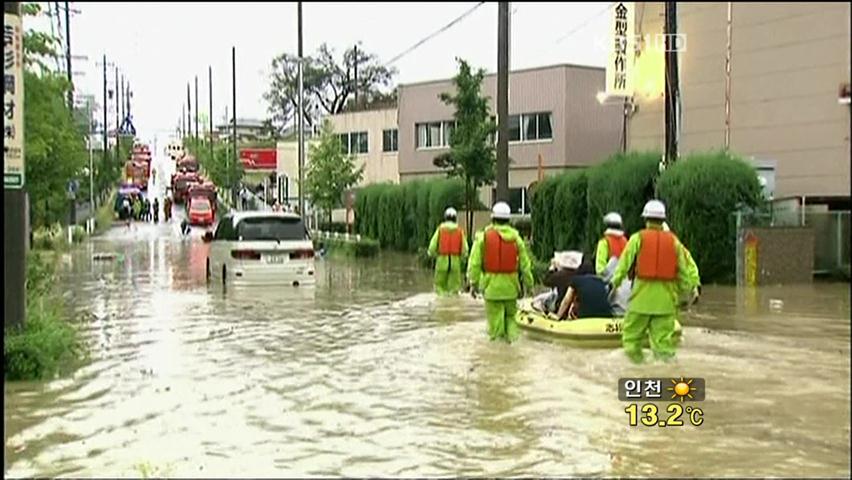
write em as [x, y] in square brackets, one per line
[403, 217]
[78, 233]
[47, 343]
[542, 226]
[523, 225]
[334, 227]
[357, 248]
[623, 183]
[705, 223]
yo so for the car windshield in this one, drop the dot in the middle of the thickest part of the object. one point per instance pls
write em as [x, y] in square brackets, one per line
[272, 228]
[201, 205]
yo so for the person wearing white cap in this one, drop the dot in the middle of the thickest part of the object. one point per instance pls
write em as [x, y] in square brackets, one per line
[449, 248]
[662, 268]
[498, 256]
[612, 243]
[563, 265]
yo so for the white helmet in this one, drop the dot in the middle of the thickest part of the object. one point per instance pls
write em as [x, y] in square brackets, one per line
[654, 209]
[451, 213]
[501, 211]
[612, 218]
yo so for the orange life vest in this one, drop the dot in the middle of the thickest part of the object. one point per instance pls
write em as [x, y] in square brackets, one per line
[450, 241]
[616, 245]
[657, 258]
[500, 256]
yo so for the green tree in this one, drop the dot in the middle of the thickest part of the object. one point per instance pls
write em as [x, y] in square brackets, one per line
[328, 83]
[54, 145]
[219, 168]
[330, 171]
[471, 155]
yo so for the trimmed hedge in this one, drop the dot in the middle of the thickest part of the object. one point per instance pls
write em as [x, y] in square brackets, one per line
[705, 223]
[403, 217]
[625, 182]
[333, 227]
[356, 248]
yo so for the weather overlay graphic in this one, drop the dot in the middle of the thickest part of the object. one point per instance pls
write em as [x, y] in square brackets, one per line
[678, 392]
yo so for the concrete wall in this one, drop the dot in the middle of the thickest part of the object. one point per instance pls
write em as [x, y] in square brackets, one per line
[584, 132]
[784, 255]
[288, 164]
[379, 166]
[788, 61]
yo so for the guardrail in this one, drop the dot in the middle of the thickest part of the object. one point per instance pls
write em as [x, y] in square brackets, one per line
[335, 235]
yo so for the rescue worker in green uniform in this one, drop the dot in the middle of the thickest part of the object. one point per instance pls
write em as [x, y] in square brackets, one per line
[663, 267]
[612, 244]
[449, 247]
[497, 257]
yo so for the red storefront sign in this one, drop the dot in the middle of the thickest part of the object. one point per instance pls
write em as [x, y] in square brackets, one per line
[259, 159]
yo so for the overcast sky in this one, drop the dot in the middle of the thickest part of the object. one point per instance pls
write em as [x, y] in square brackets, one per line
[161, 46]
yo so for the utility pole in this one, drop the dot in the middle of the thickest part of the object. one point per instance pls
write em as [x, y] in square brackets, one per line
[356, 76]
[117, 118]
[234, 104]
[196, 110]
[15, 201]
[72, 195]
[210, 107]
[182, 121]
[728, 79]
[123, 99]
[188, 112]
[301, 122]
[106, 102]
[624, 125]
[502, 176]
[68, 57]
[672, 84]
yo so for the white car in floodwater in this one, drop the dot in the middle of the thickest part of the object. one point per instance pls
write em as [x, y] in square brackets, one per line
[260, 248]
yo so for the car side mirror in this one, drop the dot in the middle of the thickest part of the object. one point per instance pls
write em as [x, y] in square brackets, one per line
[207, 237]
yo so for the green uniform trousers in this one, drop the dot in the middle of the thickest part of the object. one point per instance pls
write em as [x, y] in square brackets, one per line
[658, 329]
[449, 281]
[501, 319]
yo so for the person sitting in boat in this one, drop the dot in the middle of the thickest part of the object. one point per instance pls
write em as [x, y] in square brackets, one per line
[587, 296]
[619, 299]
[563, 265]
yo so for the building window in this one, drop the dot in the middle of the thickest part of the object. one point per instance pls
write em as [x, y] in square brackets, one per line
[390, 140]
[519, 200]
[529, 127]
[434, 134]
[354, 143]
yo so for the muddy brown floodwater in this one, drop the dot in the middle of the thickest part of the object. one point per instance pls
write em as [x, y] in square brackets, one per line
[369, 374]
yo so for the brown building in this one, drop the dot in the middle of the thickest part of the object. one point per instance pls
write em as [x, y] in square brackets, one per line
[554, 116]
[788, 65]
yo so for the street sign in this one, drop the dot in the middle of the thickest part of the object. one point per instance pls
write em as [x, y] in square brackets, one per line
[13, 102]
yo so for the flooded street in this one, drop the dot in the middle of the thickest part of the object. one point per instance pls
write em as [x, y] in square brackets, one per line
[369, 374]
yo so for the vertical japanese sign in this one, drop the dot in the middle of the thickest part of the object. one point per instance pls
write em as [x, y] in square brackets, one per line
[13, 102]
[619, 67]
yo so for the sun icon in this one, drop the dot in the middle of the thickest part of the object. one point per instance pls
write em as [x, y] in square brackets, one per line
[682, 388]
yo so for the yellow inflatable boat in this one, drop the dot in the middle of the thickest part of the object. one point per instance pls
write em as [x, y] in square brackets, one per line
[594, 331]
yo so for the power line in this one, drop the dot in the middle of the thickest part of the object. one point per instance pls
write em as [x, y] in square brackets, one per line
[585, 23]
[433, 35]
